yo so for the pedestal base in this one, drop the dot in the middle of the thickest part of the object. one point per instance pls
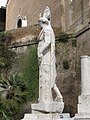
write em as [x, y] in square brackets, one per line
[84, 104]
[54, 107]
[50, 116]
[82, 116]
[83, 108]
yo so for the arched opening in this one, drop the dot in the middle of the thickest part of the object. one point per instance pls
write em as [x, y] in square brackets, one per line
[19, 23]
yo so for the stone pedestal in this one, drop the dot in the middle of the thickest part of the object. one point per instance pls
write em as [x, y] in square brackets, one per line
[50, 116]
[82, 116]
[53, 107]
[84, 104]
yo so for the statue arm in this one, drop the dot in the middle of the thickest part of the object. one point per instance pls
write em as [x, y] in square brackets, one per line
[47, 41]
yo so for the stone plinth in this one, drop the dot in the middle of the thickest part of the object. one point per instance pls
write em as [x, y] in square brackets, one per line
[84, 104]
[50, 116]
[53, 107]
[41, 117]
[81, 116]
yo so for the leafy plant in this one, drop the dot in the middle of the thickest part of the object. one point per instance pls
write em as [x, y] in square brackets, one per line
[62, 37]
[6, 55]
[31, 73]
[13, 94]
[5, 37]
[3, 115]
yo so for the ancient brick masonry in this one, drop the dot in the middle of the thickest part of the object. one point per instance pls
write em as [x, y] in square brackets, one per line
[31, 9]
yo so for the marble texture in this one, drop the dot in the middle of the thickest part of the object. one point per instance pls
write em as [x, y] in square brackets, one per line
[85, 75]
[84, 98]
[47, 60]
[47, 108]
[54, 116]
[47, 68]
[54, 107]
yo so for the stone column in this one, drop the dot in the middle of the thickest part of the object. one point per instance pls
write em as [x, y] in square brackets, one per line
[84, 98]
[85, 75]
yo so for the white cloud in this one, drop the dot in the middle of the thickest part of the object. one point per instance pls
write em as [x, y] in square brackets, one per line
[3, 2]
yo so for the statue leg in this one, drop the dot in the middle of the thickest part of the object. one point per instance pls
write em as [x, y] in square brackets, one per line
[58, 94]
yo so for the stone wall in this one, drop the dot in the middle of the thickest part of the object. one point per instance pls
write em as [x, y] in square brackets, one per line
[70, 16]
[31, 9]
[69, 69]
[66, 78]
[77, 14]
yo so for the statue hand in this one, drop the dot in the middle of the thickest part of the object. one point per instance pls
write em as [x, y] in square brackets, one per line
[40, 55]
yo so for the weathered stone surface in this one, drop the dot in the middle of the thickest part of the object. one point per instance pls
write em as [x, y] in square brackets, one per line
[84, 98]
[47, 74]
[82, 116]
[85, 75]
[77, 14]
[47, 117]
[47, 68]
[19, 8]
[54, 107]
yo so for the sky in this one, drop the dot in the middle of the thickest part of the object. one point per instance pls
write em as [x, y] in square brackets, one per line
[3, 2]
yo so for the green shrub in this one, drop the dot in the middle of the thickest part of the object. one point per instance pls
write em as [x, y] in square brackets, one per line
[12, 95]
[27, 65]
[31, 72]
[6, 55]
[62, 37]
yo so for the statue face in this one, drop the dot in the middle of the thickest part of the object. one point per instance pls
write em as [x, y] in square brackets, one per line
[42, 25]
[43, 22]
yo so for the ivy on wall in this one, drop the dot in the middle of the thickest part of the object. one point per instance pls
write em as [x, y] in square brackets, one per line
[27, 65]
[64, 38]
[31, 72]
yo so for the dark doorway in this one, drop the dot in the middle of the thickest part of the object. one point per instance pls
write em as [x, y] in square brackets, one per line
[19, 23]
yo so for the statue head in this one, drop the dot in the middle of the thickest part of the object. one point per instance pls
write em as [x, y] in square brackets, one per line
[46, 18]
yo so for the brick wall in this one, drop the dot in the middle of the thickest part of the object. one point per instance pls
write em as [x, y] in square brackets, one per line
[31, 9]
[77, 14]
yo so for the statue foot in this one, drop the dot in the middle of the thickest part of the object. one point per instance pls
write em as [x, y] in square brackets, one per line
[58, 99]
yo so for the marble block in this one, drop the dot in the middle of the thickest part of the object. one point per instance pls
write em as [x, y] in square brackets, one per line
[82, 116]
[53, 107]
[84, 104]
[41, 117]
[50, 116]
[84, 99]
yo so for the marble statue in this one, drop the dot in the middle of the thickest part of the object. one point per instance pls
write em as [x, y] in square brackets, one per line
[47, 69]
[47, 60]
[47, 108]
